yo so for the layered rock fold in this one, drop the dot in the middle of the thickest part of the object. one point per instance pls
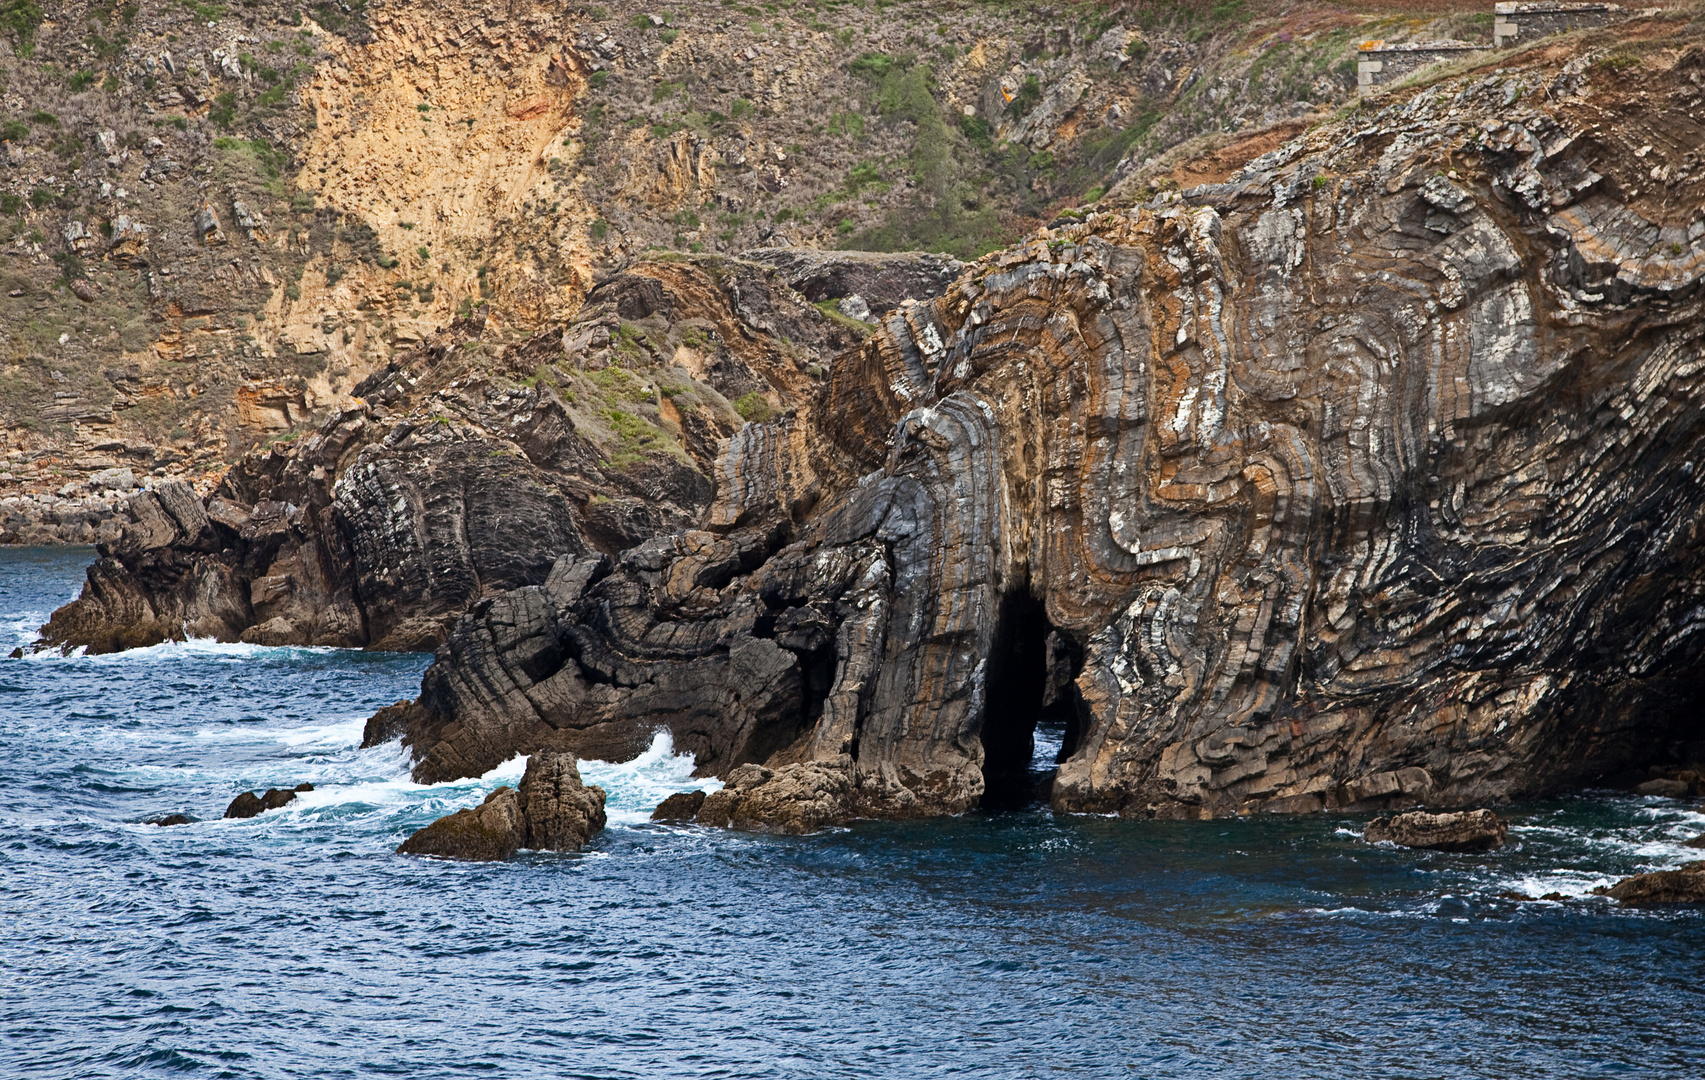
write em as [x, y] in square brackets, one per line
[1363, 479]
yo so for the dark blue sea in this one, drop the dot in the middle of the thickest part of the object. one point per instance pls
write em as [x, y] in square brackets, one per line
[1016, 945]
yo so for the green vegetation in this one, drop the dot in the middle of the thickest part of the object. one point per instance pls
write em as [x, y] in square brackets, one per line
[951, 211]
[1024, 102]
[224, 110]
[270, 159]
[754, 408]
[19, 20]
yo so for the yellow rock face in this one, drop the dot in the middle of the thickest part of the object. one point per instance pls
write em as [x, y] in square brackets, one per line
[441, 134]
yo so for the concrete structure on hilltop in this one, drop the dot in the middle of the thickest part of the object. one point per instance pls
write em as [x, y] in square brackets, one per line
[1379, 64]
[1532, 21]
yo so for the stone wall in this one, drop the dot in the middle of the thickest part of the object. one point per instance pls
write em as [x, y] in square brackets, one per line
[1533, 21]
[1379, 64]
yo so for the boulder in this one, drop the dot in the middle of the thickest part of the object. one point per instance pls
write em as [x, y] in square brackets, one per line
[173, 819]
[797, 798]
[248, 804]
[490, 832]
[1697, 841]
[1671, 789]
[1685, 885]
[552, 811]
[1464, 830]
[681, 806]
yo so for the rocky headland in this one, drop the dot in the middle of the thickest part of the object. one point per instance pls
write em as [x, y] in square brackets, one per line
[218, 221]
[1360, 478]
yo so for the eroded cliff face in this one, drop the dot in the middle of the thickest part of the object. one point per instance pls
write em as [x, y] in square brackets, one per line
[1362, 477]
[1365, 477]
[217, 223]
[466, 469]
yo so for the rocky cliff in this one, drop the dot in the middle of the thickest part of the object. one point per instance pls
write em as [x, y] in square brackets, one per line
[219, 220]
[1362, 478]
[467, 467]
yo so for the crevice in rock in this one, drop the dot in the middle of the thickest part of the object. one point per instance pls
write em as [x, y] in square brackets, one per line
[1016, 681]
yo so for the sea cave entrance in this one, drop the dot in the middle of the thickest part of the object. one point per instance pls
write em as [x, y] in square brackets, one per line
[1032, 718]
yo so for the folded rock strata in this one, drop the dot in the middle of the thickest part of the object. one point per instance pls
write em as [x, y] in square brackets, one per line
[463, 471]
[1363, 479]
[552, 810]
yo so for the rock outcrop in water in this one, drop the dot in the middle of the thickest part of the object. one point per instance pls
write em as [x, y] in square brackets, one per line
[1363, 479]
[1685, 885]
[1466, 830]
[551, 811]
[249, 804]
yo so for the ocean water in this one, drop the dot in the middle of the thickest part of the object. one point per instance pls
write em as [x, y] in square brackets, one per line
[1017, 945]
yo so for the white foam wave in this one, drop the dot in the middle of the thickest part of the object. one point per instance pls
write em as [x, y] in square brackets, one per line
[192, 648]
[634, 788]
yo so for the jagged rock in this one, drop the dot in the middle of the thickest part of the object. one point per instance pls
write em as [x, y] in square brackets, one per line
[681, 806]
[440, 487]
[551, 811]
[489, 833]
[793, 799]
[248, 804]
[1466, 830]
[881, 281]
[1682, 886]
[207, 228]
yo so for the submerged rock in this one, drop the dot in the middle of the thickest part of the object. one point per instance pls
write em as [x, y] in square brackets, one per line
[552, 811]
[1673, 789]
[1466, 830]
[1697, 841]
[1685, 885]
[171, 819]
[681, 806]
[249, 804]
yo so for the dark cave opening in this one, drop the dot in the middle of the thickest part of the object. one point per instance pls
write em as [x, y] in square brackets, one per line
[1030, 700]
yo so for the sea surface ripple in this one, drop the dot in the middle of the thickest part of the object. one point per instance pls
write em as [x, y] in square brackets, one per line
[1021, 944]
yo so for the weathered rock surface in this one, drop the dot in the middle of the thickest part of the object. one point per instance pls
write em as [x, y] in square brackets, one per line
[681, 806]
[797, 798]
[445, 483]
[551, 811]
[1464, 830]
[1674, 789]
[883, 281]
[1682, 886]
[249, 804]
[1362, 479]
